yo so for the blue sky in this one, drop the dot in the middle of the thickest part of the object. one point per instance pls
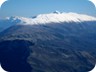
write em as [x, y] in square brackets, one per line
[28, 8]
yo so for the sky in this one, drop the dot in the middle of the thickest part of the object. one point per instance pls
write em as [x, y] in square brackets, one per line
[29, 8]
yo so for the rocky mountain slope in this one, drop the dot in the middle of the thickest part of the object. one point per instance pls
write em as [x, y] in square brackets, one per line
[56, 42]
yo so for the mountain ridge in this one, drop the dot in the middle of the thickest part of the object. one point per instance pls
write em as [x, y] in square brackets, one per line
[55, 17]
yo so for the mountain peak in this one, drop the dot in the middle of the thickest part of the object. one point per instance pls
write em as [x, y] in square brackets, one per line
[55, 17]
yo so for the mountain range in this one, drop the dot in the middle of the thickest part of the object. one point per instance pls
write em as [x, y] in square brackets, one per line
[54, 42]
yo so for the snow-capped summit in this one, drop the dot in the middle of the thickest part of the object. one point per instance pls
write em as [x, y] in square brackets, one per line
[55, 17]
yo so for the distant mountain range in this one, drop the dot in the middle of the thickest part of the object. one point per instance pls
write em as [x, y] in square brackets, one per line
[55, 42]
